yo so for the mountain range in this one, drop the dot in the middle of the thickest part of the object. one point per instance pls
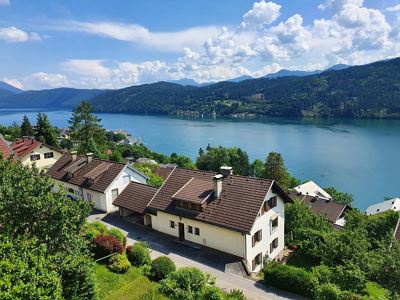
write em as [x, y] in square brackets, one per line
[371, 90]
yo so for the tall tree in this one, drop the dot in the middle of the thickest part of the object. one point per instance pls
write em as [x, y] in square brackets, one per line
[45, 132]
[275, 169]
[340, 197]
[26, 127]
[86, 129]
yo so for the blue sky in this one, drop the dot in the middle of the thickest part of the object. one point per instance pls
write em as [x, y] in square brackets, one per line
[113, 44]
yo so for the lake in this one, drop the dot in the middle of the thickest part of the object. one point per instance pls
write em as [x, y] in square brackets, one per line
[361, 157]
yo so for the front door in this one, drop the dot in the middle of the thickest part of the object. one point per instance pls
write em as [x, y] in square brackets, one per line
[181, 231]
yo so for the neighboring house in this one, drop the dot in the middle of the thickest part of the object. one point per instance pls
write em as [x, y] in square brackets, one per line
[238, 215]
[310, 188]
[164, 171]
[397, 231]
[5, 149]
[32, 152]
[392, 204]
[334, 212]
[98, 181]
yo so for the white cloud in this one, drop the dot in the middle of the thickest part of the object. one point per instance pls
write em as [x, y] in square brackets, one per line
[162, 41]
[395, 8]
[87, 68]
[42, 80]
[14, 34]
[14, 82]
[4, 2]
[262, 13]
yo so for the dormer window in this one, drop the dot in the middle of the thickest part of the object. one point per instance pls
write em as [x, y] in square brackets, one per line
[90, 181]
[70, 174]
[188, 205]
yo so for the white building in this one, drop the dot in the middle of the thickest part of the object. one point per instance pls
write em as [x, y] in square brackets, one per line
[392, 204]
[310, 188]
[93, 179]
[238, 215]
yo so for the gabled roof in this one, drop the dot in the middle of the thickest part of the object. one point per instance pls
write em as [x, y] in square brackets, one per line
[310, 188]
[196, 190]
[5, 149]
[135, 197]
[392, 204]
[24, 146]
[329, 209]
[236, 208]
[82, 170]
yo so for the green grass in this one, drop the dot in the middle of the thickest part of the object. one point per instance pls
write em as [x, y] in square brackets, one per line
[132, 285]
[375, 291]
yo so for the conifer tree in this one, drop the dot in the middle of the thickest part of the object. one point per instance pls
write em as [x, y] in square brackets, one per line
[26, 127]
[45, 132]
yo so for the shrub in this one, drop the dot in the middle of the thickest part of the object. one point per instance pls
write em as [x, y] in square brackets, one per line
[186, 283]
[328, 292]
[105, 245]
[236, 294]
[161, 267]
[347, 295]
[322, 273]
[290, 278]
[375, 291]
[99, 226]
[119, 263]
[212, 293]
[121, 237]
[92, 230]
[349, 278]
[139, 254]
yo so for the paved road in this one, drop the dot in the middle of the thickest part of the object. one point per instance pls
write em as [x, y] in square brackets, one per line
[207, 260]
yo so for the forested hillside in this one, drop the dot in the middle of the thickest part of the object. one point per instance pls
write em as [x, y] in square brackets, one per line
[368, 91]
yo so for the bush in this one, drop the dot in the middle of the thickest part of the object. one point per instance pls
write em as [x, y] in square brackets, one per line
[139, 254]
[121, 237]
[328, 292]
[347, 295]
[161, 267]
[105, 245]
[290, 278]
[349, 278]
[236, 294]
[119, 263]
[186, 283]
[212, 293]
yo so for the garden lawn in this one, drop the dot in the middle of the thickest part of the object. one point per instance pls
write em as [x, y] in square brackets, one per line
[131, 285]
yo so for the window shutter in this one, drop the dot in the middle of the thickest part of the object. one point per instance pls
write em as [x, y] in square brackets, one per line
[253, 238]
[260, 235]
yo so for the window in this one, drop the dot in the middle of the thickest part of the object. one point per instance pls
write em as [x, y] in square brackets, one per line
[265, 207]
[274, 224]
[71, 190]
[114, 194]
[35, 157]
[257, 260]
[172, 224]
[190, 229]
[273, 245]
[49, 155]
[257, 237]
[197, 231]
[272, 202]
[188, 205]
[89, 196]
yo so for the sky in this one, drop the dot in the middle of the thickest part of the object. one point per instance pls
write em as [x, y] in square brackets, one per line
[114, 44]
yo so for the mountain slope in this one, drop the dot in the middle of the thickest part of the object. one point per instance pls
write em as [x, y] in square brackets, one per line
[52, 98]
[8, 90]
[361, 91]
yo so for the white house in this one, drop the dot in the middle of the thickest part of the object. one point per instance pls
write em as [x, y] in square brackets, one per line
[32, 152]
[239, 215]
[310, 188]
[93, 179]
[392, 204]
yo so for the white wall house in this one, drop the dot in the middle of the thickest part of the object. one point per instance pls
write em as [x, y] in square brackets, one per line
[310, 188]
[392, 204]
[238, 215]
[92, 179]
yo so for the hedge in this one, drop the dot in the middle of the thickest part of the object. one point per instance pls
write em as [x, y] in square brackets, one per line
[105, 245]
[161, 267]
[138, 254]
[119, 263]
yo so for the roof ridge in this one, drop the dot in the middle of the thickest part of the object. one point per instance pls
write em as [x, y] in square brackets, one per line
[144, 184]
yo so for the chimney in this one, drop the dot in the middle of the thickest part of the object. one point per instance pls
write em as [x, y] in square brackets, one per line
[217, 180]
[74, 155]
[89, 157]
[226, 171]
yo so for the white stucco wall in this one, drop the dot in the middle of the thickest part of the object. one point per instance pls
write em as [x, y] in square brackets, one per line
[42, 163]
[215, 237]
[263, 223]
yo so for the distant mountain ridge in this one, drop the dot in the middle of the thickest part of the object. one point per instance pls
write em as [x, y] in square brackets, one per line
[8, 90]
[368, 91]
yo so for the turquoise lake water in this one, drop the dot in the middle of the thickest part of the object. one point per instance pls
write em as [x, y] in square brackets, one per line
[361, 157]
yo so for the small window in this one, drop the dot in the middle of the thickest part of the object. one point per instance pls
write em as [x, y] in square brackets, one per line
[190, 229]
[89, 196]
[272, 202]
[172, 224]
[197, 231]
[114, 194]
[273, 245]
[274, 224]
[257, 260]
[257, 237]
[71, 190]
[49, 155]
[35, 157]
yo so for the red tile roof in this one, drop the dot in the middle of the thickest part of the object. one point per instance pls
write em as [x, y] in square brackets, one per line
[397, 231]
[135, 197]
[164, 171]
[83, 170]
[236, 208]
[196, 190]
[24, 146]
[5, 149]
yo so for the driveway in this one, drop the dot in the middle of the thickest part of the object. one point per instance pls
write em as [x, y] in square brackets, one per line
[222, 266]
